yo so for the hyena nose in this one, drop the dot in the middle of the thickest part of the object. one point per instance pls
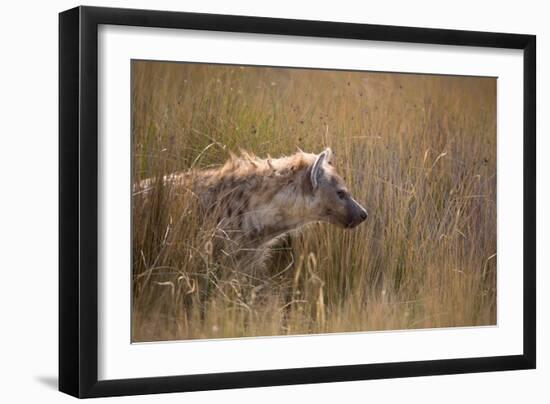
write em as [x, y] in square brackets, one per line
[363, 214]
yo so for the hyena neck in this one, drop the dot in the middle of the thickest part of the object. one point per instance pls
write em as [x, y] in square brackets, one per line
[284, 212]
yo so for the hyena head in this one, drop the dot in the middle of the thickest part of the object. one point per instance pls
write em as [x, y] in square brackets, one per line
[331, 201]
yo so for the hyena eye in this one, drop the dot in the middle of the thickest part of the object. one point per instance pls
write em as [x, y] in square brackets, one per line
[341, 194]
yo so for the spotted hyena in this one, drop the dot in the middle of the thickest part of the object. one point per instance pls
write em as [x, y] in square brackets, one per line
[255, 201]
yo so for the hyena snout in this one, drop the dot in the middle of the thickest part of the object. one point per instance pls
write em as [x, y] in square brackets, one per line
[356, 214]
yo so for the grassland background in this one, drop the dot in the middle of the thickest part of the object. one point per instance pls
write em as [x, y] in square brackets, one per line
[418, 151]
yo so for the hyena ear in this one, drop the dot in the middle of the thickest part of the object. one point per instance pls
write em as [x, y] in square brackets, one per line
[329, 153]
[317, 168]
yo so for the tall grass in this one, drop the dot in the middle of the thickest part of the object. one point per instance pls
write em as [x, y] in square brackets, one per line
[418, 151]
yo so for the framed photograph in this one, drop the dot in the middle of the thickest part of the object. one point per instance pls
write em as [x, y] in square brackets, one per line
[251, 201]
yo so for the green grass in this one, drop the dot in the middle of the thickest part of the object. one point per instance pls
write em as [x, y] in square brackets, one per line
[418, 151]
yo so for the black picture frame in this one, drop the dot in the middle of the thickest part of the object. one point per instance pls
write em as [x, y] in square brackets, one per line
[78, 201]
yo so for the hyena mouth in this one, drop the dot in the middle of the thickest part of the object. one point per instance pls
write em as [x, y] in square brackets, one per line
[353, 224]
